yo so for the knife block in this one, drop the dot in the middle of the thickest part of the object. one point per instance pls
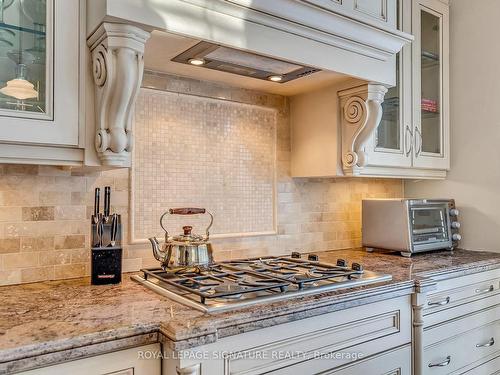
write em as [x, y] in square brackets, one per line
[106, 261]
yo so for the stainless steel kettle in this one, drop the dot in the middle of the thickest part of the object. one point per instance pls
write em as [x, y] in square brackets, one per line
[187, 249]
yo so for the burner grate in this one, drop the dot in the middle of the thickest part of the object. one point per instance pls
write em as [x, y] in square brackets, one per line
[296, 271]
[218, 282]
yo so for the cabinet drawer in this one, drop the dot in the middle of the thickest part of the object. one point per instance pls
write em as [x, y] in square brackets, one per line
[490, 367]
[456, 352]
[461, 296]
[394, 362]
[449, 285]
[340, 337]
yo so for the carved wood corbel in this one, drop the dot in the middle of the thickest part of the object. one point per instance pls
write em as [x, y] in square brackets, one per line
[361, 112]
[117, 52]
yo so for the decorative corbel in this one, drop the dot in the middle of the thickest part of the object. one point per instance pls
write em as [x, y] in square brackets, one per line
[117, 52]
[361, 112]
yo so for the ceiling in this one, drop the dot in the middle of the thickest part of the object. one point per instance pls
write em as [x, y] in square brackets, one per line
[162, 47]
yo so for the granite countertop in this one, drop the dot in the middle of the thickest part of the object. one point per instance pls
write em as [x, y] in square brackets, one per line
[47, 322]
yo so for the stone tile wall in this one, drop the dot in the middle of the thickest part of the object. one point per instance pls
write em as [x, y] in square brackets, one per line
[45, 211]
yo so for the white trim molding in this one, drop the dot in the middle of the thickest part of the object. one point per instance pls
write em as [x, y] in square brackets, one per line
[117, 66]
[361, 112]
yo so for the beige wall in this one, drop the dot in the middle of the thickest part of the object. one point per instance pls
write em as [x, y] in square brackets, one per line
[474, 179]
[45, 211]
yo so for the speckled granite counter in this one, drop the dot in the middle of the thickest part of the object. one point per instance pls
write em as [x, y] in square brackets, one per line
[44, 323]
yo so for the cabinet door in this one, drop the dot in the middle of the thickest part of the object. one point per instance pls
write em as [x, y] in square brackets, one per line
[430, 84]
[135, 361]
[392, 362]
[39, 71]
[391, 146]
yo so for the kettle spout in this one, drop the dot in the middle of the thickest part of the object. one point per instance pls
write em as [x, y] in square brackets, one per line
[157, 252]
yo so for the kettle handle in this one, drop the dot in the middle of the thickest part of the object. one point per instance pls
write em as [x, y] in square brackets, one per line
[187, 211]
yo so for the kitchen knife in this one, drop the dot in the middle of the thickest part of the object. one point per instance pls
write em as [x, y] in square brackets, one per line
[107, 198]
[96, 205]
[100, 230]
[114, 230]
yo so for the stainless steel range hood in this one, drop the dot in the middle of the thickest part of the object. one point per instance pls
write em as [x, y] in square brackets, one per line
[230, 60]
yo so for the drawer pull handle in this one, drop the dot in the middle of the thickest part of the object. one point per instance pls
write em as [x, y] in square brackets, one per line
[491, 288]
[486, 345]
[441, 364]
[440, 303]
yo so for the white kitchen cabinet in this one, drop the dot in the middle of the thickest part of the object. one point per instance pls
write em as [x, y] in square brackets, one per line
[431, 123]
[123, 362]
[335, 131]
[42, 124]
[394, 362]
[391, 143]
[373, 338]
[457, 326]
[414, 133]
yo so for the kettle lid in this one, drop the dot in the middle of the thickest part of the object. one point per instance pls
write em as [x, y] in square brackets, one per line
[188, 236]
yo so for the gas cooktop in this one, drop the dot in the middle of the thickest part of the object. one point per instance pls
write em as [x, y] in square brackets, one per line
[238, 283]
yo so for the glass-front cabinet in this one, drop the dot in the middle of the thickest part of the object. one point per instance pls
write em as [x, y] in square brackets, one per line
[392, 145]
[430, 91]
[39, 71]
[412, 138]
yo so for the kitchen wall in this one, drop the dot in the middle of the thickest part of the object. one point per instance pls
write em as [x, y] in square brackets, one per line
[474, 178]
[45, 211]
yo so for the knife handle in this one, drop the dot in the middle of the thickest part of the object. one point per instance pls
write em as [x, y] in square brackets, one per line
[107, 197]
[96, 203]
[100, 230]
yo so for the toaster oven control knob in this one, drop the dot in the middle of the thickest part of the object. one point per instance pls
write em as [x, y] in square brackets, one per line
[455, 224]
[454, 212]
[295, 255]
[313, 258]
[341, 263]
[357, 267]
[456, 237]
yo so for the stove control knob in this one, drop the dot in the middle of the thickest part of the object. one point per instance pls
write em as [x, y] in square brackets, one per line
[455, 224]
[313, 258]
[341, 263]
[295, 255]
[456, 237]
[357, 267]
[454, 212]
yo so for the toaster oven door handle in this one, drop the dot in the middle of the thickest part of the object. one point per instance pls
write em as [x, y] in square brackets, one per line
[491, 288]
[440, 303]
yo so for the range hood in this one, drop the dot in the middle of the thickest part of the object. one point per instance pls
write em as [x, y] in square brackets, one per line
[281, 46]
[231, 60]
[357, 38]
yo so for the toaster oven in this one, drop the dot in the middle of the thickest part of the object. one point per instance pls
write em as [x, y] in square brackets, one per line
[410, 225]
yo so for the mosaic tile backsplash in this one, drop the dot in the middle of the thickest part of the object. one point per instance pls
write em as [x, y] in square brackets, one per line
[192, 151]
[45, 211]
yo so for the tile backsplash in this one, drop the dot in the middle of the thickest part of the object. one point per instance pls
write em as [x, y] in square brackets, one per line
[45, 211]
[205, 152]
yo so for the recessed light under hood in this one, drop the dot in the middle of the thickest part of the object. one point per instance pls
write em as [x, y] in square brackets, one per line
[231, 60]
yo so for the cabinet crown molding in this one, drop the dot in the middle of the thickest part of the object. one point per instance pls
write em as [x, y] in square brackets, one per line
[361, 112]
[117, 52]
